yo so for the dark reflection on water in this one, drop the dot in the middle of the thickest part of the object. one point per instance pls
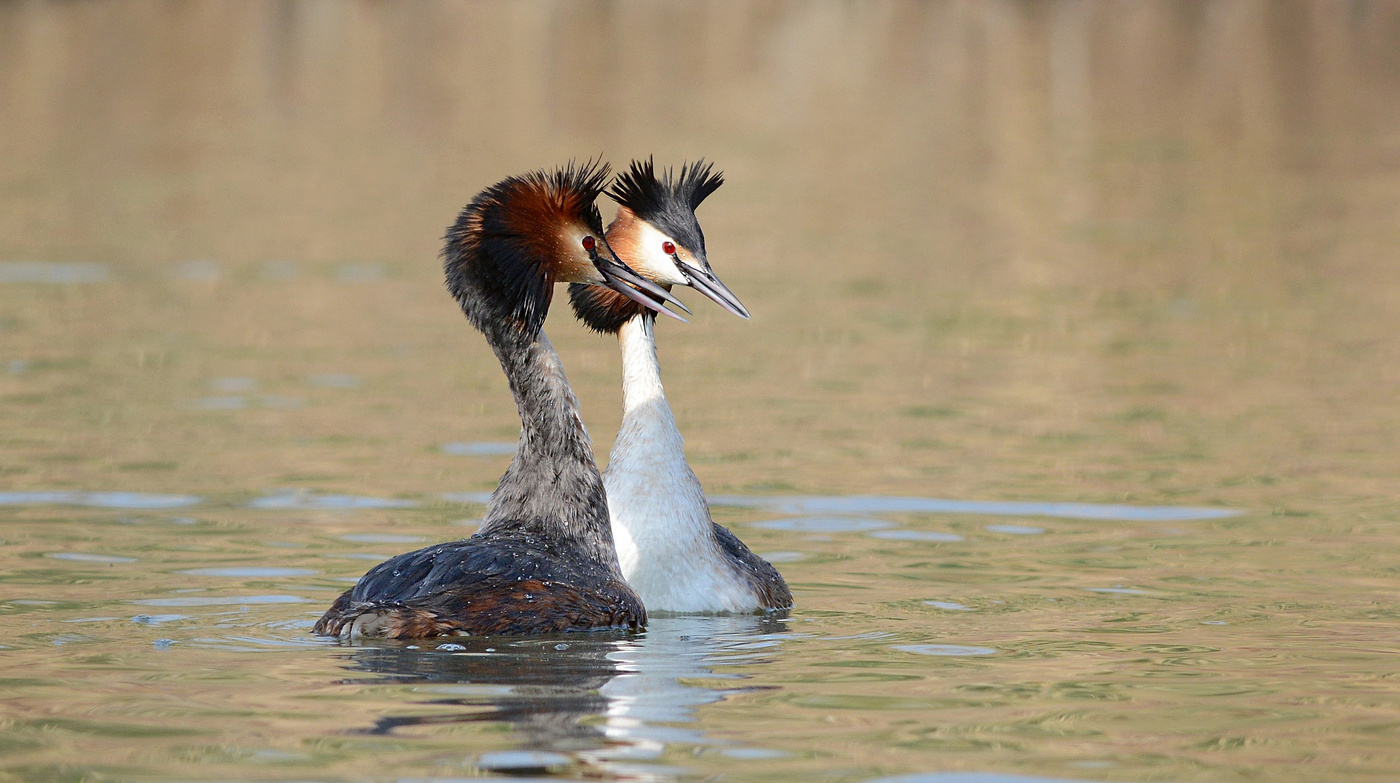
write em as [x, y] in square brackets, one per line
[541, 690]
[547, 688]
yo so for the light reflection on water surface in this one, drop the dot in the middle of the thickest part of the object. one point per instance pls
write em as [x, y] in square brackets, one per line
[1068, 406]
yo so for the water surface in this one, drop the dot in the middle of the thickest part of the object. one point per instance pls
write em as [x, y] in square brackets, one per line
[1068, 407]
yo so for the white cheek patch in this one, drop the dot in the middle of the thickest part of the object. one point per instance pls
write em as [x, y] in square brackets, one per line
[654, 263]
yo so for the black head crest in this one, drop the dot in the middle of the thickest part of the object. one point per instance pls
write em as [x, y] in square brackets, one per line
[497, 253]
[668, 201]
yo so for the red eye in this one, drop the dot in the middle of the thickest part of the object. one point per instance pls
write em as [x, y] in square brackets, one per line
[589, 243]
[668, 248]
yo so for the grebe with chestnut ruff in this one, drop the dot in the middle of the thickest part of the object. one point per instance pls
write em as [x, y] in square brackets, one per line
[671, 552]
[543, 560]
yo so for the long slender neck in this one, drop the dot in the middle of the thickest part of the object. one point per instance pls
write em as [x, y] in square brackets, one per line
[649, 441]
[641, 374]
[552, 493]
[658, 500]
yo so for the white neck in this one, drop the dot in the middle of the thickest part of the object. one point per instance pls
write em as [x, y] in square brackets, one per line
[648, 443]
[661, 524]
[641, 374]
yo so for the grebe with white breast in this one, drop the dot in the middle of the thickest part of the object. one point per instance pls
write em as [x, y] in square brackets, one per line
[671, 552]
[543, 560]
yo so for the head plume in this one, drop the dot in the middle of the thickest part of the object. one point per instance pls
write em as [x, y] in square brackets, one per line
[666, 200]
[497, 254]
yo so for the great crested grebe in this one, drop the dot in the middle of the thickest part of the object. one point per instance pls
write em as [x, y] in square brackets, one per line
[671, 552]
[543, 559]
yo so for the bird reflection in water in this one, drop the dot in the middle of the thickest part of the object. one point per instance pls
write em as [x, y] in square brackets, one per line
[546, 687]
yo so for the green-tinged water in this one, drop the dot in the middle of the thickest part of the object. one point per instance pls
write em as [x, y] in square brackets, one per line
[1068, 407]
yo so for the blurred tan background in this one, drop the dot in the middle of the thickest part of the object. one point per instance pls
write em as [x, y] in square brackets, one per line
[1056, 250]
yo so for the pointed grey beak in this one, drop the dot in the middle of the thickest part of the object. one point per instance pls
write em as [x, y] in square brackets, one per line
[620, 278]
[704, 281]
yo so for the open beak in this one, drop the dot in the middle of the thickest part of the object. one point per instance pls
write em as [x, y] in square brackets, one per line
[620, 278]
[704, 281]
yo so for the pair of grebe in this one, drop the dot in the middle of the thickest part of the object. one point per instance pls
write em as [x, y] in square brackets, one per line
[549, 556]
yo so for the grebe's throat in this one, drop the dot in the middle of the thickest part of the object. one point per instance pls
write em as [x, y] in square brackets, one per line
[552, 492]
[641, 373]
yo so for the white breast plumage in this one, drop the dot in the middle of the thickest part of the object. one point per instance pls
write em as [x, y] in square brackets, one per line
[660, 522]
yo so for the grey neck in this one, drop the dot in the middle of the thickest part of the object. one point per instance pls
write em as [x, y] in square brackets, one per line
[552, 494]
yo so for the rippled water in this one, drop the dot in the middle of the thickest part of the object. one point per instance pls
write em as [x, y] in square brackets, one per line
[1068, 407]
